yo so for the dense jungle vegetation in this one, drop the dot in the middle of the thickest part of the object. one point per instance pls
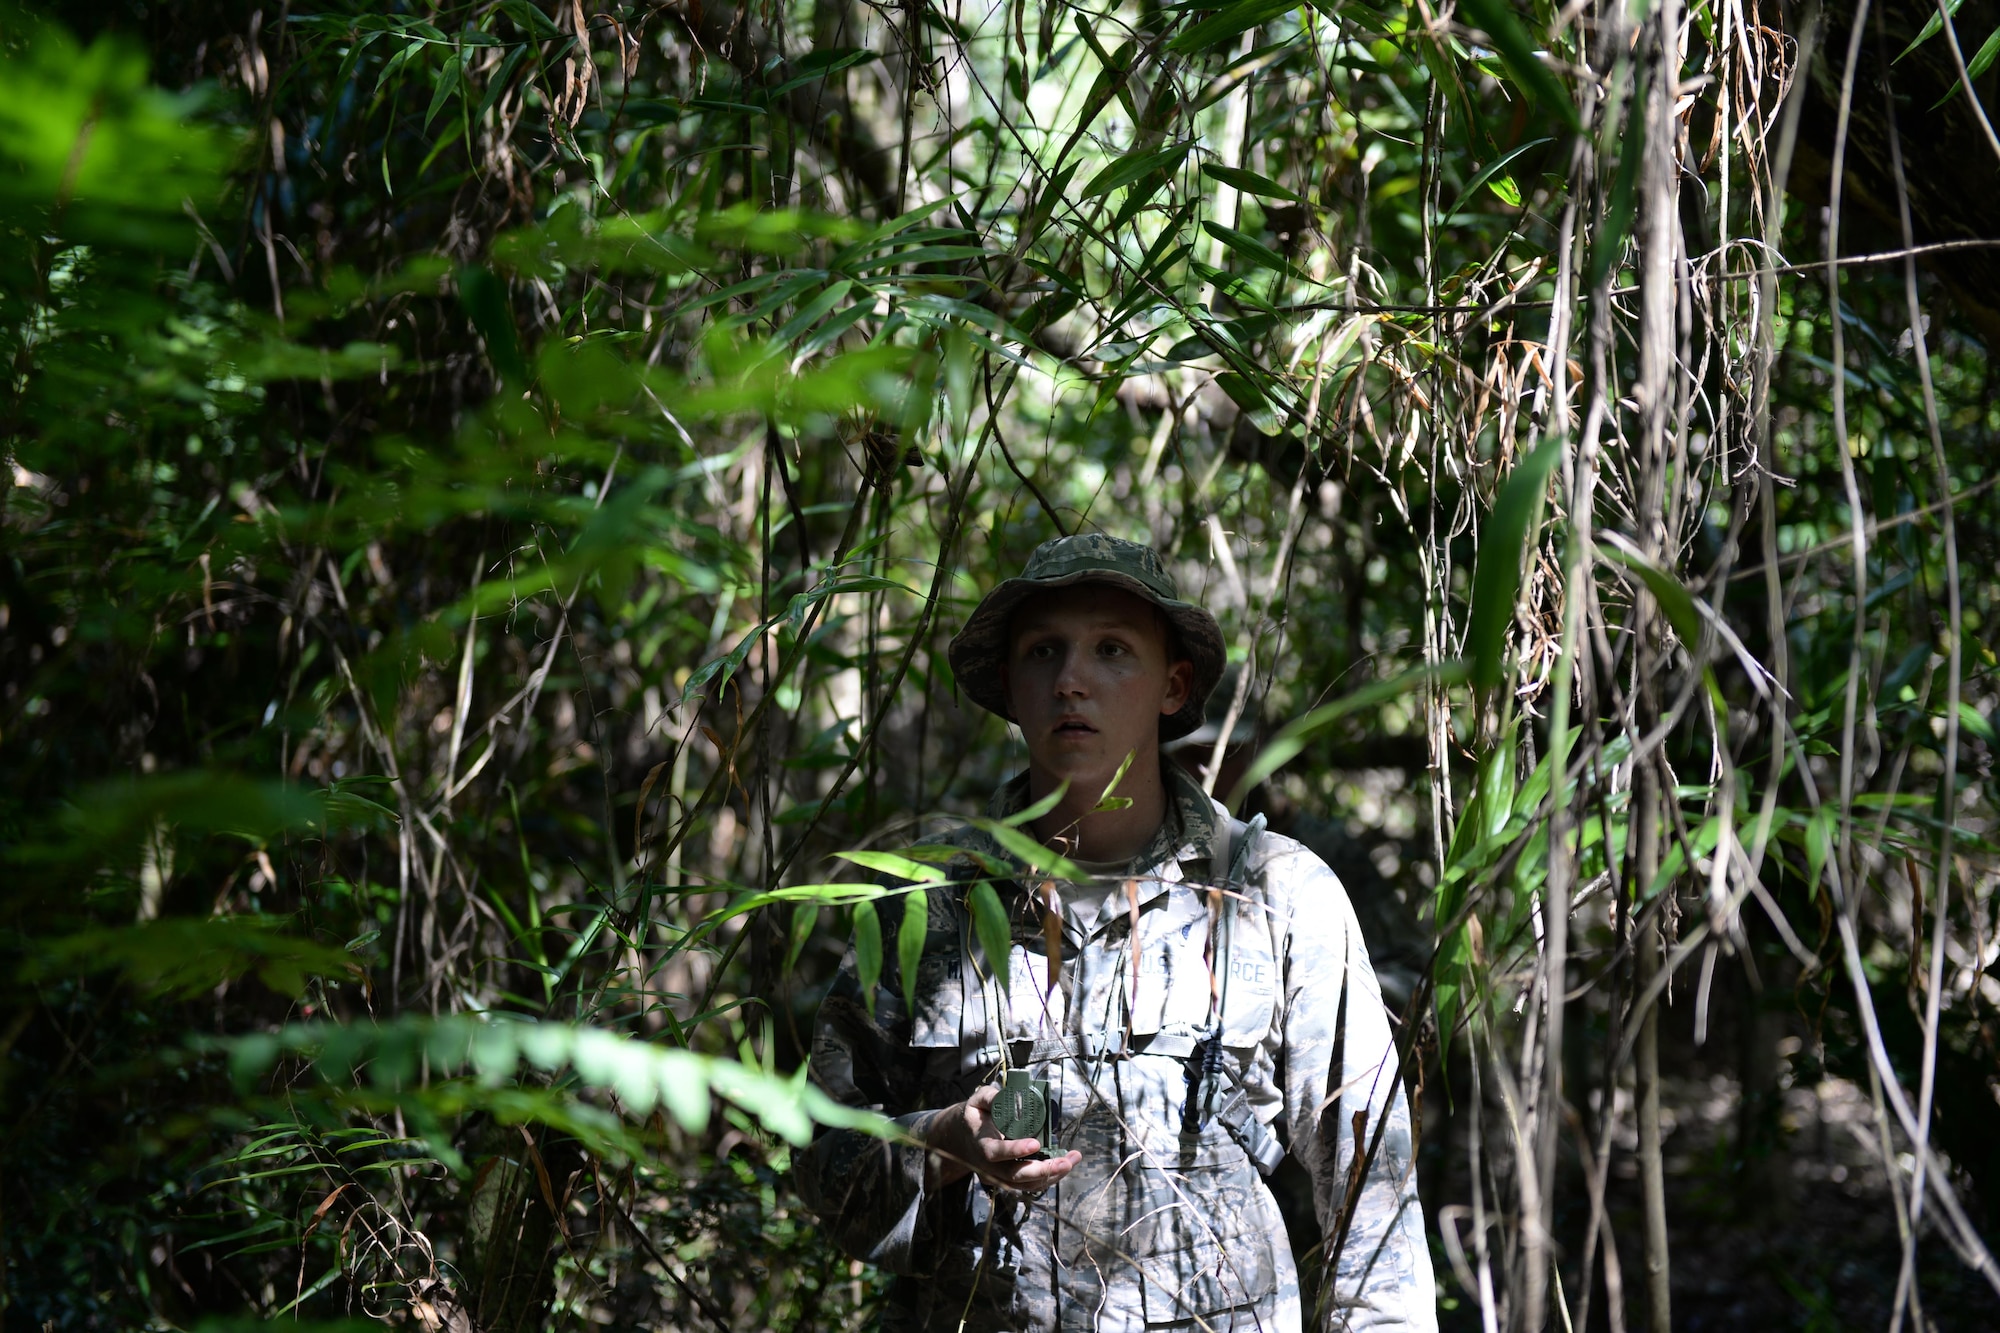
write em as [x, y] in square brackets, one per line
[487, 487]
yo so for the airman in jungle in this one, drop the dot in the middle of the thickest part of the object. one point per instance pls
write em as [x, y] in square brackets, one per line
[1087, 1127]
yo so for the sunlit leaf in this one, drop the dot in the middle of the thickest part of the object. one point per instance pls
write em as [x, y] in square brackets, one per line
[1982, 60]
[890, 863]
[1030, 853]
[1932, 27]
[1126, 170]
[867, 952]
[1490, 175]
[989, 922]
[1503, 545]
[910, 935]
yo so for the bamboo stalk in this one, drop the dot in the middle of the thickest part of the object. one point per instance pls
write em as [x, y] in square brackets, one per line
[1646, 955]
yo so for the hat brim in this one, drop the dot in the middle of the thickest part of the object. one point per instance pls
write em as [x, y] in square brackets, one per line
[979, 648]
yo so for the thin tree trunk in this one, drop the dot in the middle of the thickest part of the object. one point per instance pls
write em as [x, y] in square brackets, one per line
[1646, 955]
[1659, 239]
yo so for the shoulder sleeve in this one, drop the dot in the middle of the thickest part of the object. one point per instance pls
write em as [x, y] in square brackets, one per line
[869, 1192]
[1345, 1110]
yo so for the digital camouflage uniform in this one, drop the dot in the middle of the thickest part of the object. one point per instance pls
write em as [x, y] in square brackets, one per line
[1153, 1228]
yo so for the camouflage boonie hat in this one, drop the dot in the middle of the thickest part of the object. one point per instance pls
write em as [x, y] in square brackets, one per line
[979, 648]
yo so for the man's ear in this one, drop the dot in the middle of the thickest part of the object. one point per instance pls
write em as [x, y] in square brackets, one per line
[1007, 690]
[1180, 687]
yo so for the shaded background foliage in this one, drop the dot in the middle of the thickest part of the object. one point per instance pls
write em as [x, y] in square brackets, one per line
[490, 485]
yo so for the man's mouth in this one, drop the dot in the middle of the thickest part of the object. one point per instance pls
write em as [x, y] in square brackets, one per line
[1075, 726]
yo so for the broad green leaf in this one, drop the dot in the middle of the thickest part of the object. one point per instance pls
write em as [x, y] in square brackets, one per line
[1138, 196]
[1673, 862]
[186, 956]
[813, 311]
[1221, 26]
[919, 254]
[819, 65]
[1107, 800]
[902, 867]
[447, 83]
[1253, 250]
[1675, 601]
[1982, 60]
[1030, 853]
[1146, 281]
[828, 333]
[531, 18]
[353, 58]
[1126, 170]
[804, 917]
[1028, 814]
[1251, 183]
[1232, 285]
[390, 1055]
[1496, 784]
[1496, 582]
[989, 921]
[823, 895]
[867, 952]
[114, 818]
[1521, 57]
[910, 943]
[1819, 827]
[1115, 64]
[1972, 720]
[1052, 194]
[1490, 172]
[1932, 28]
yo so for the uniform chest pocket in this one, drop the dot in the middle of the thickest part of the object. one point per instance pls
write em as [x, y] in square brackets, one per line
[1250, 987]
[949, 1011]
[1166, 977]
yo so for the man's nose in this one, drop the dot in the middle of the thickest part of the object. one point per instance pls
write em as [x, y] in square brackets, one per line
[1069, 680]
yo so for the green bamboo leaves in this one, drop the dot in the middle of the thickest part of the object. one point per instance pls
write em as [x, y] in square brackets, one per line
[910, 937]
[1675, 601]
[402, 1061]
[989, 922]
[1251, 182]
[1496, 581]
[1491, 174]
[1228, 22]
[1526, 63]
[913, 922]
[1481, 834]
[867, 952]
[1135, 167]
[1982, 59]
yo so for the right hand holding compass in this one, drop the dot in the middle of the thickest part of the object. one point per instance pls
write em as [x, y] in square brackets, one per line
[965, 1139]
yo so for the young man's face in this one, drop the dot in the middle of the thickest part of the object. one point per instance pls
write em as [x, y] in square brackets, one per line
[1088, 676]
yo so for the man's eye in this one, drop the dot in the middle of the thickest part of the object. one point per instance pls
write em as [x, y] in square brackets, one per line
[1111, 649]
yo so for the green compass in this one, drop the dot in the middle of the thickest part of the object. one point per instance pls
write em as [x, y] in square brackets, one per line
[1021, 1109]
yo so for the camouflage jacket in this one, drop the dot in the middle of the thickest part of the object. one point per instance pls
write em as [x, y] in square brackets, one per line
[1156, 1225]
